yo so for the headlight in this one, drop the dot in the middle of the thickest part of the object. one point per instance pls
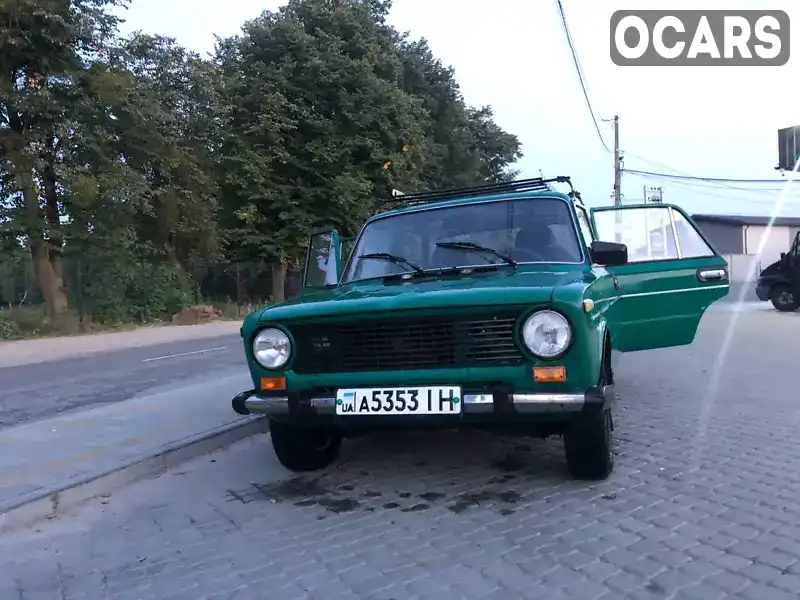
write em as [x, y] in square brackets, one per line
[272, 348]
[547, 333]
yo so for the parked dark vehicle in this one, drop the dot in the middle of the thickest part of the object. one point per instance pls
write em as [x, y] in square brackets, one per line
[780, 282]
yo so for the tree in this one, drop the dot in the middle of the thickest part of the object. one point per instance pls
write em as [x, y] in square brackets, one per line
[451, 160]
[465, 146]
[168, 131]
[51, 72]
[496, 149]
[115, 149]
[319, 125]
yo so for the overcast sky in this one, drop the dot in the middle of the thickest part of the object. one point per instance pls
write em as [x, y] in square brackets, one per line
[716, 122]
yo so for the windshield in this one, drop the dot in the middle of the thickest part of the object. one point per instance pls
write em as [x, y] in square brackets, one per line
[526, 230]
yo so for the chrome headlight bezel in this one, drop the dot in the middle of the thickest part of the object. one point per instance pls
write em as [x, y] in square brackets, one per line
[279, 339]
[529, 325]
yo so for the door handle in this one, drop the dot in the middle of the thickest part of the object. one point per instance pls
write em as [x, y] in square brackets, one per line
[715, 274]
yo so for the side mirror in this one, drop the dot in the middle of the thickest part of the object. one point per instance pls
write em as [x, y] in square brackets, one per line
[783, 255]
[608, 254]
[323, 261]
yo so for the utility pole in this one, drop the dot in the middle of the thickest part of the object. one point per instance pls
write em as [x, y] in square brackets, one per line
[617, 166]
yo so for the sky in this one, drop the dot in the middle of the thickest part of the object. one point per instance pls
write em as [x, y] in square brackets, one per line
[718, 122]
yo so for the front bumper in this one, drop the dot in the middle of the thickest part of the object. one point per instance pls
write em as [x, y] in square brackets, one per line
[763, 291]
[475, 407]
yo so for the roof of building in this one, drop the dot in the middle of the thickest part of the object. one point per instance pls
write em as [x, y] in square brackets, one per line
[748, 220]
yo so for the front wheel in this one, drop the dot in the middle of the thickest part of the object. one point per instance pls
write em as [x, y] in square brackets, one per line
[587, 443]
[784, 299]
[303, 449]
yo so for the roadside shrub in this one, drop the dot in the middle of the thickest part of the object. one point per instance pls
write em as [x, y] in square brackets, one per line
[9, 330]
[126, 291]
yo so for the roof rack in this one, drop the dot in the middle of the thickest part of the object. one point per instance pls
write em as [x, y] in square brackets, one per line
[521, 185]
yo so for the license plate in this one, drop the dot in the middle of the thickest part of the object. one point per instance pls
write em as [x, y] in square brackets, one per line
[435, 400]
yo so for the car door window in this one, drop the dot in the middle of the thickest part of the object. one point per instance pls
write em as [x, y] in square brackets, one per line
[647, 232]
[690, 243]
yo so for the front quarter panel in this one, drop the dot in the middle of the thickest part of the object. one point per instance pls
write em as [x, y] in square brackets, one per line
[585, 356]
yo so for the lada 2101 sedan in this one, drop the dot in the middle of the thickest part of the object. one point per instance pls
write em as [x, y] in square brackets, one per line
[502, 307]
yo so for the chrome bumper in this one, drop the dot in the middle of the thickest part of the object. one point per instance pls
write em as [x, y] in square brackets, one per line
[249, 403]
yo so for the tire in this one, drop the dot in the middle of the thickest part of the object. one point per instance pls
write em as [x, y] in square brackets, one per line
[587, 443]
[783, 298]
[303, 449]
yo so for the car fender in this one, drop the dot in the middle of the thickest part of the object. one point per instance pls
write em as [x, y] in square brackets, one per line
[772, 280]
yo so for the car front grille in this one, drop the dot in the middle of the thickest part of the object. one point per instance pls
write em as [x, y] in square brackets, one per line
[407, 343]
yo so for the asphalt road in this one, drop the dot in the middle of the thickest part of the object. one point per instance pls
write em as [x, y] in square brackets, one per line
[38, 391]
[703, 504]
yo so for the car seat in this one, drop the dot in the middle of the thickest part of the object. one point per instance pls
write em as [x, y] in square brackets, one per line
[539, 239]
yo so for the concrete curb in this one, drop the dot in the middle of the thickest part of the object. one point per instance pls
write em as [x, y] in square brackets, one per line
[53, 502]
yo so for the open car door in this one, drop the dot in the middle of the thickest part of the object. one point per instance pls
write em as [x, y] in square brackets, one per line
[323, 260]
[672, 276]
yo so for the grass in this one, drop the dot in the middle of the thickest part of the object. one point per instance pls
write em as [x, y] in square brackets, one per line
[30, 322]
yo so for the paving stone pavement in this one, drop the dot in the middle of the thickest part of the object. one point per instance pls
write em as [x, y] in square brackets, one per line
[703, 504]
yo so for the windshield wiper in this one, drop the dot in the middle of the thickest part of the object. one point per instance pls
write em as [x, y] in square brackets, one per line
[470, 247]
[398, 260]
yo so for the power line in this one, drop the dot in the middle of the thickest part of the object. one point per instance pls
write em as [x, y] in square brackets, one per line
[704, 185]
[713, 182]
[705, 179]
[576, 61]
[700, 183]
[718, 181]
[718, 192]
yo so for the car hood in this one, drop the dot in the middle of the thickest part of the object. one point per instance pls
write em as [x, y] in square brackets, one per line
[502, 287]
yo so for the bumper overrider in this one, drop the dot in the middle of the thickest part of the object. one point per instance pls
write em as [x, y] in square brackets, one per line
[497, 403]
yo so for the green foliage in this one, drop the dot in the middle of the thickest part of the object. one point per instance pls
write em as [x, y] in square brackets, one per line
[125, 290]
[117, 148]
[9, 329]
[317, 111]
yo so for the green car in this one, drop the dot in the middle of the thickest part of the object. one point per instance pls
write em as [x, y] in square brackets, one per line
[502, 307]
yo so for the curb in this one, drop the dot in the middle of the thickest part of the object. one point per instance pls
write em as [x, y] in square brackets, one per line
[25, 356]
[54, 502]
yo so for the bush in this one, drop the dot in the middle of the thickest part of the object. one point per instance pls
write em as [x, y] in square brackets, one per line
[127, 291]
[9, 329]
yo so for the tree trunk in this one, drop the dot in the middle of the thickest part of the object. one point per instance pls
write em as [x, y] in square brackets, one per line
[171, 255]
[278, 282]
[50, 282]
[53, 216]
[47, 264]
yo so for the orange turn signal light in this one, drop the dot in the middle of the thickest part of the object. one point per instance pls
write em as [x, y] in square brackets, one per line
[549, 374]
[273, 384]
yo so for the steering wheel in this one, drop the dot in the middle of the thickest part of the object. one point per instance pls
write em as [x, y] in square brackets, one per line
[530, 254]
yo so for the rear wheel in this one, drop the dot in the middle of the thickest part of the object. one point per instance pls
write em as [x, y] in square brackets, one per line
[783, 298]
[302, 449]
